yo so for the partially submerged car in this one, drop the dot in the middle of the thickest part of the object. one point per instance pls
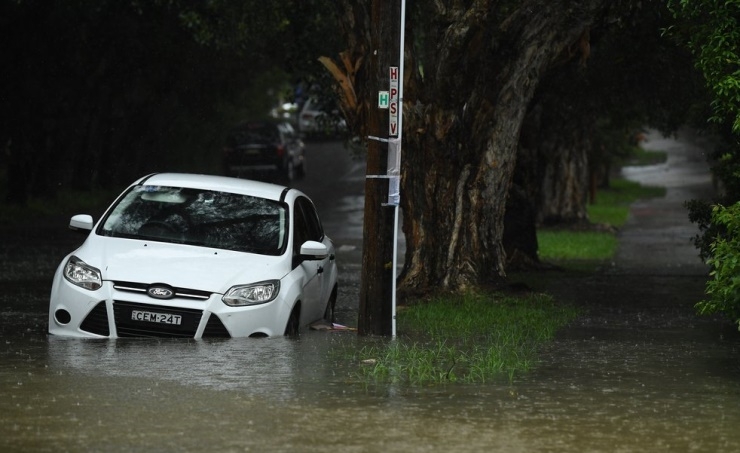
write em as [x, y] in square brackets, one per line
[184, 255]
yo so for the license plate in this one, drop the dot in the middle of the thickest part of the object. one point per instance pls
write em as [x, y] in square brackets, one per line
[162, 318]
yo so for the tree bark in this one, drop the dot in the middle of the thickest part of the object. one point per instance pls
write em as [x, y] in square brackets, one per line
[553, 161]
[464, 107]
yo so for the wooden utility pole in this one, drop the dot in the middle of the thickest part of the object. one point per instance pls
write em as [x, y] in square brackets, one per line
[376, 290]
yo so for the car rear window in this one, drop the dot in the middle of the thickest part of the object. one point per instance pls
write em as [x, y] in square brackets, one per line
[258, 132]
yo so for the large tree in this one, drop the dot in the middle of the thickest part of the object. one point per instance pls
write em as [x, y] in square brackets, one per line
[553, 89]
[586, 110]
[472, 70]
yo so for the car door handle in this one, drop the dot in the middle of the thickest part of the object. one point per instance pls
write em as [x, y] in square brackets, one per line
[320, 270]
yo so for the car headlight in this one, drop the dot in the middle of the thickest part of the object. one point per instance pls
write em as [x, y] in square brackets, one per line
[256, 293]
[82, 274]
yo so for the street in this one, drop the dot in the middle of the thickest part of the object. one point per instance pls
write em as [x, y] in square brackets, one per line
[639, 371]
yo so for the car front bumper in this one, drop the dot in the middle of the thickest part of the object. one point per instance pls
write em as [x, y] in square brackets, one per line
[115, 311]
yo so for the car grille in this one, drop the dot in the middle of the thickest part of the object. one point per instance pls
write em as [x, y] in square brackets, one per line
[97, 320]
[127, 327]
[141, 288]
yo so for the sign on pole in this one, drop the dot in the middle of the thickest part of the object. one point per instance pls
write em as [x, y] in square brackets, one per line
[393, 106]
[383, 99]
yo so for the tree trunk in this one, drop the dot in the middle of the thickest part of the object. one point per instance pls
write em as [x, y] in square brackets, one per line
[553, 162]
[463, 115]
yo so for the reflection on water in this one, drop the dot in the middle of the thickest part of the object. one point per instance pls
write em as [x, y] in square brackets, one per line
[220, 365]
[642, 394]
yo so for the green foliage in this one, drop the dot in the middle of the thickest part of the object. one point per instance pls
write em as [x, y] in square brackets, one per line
[723, 288]
[710, 30]
[116, 89]
[465, 338]
[700, 212]
[726, 175]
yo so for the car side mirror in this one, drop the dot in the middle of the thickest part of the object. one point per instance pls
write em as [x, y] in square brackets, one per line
[314, 250]
[82, 223]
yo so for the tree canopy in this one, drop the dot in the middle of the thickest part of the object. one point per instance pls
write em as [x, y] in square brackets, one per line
[710, 30]
[96, 92]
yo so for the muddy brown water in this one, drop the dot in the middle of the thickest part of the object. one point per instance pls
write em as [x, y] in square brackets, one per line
[638, 371]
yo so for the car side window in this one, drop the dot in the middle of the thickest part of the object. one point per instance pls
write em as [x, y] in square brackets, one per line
[313, 224]
[300, 230]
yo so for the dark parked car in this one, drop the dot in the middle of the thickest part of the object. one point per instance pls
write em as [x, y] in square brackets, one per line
[268, 149]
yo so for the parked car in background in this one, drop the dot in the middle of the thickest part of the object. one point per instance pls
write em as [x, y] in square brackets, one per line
[183, 255]
[319, 118]
[265, 149]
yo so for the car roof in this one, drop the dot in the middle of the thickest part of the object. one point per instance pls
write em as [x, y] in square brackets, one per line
[220, 183]
[260, 123]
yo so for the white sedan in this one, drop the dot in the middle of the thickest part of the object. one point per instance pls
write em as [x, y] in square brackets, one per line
[183, 255]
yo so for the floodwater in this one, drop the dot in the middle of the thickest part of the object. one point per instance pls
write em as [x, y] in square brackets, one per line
[602, 391]
[639, 371]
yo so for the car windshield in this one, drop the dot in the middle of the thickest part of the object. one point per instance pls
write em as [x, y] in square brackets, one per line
[199, 217]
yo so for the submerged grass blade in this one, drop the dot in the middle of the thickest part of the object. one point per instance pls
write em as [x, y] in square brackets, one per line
[470, 338]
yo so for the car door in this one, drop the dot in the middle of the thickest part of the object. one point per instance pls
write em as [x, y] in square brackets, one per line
[326, 270]
[312, 270]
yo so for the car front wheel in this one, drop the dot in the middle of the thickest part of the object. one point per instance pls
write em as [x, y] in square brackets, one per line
[329, 313]
[291, 329]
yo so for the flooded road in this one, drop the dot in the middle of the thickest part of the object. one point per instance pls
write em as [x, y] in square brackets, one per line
[637, 372]
[593, 394]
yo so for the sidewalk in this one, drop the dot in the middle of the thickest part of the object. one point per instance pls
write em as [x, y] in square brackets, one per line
[656, 277]
[639, 369]
[658, 233]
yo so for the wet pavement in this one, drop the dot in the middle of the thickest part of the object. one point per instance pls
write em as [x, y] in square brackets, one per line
[638, 371]
[643, 370]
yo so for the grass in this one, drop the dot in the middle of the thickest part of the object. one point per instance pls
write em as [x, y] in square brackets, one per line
[611, 209]
[612, 204]
[562, 245]
[464, 338]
